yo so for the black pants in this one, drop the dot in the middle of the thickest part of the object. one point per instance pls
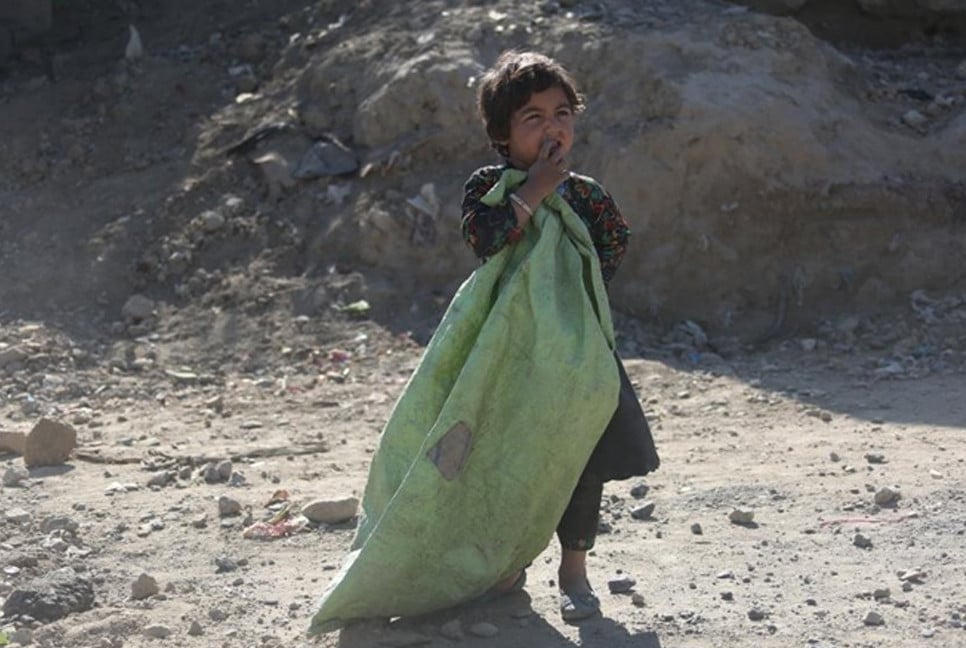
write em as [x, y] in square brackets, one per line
[625, 449]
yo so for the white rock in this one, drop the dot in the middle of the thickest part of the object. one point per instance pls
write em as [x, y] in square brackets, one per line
[484, 629]
[331, 511]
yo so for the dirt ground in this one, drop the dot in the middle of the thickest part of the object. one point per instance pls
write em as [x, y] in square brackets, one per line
[842, 445]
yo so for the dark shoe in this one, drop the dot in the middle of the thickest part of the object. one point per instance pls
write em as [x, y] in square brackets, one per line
[577, 606]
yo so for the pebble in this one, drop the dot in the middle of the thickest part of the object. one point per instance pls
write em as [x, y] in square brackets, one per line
[742, 516]
[928, 633]
[727, 596]
[331, 511]
[873, 618]
[12, 441]
[914, 119]
[195, 630]
[912, 575]
[144, 587]
[484, 629]
[211, 221]
[881, 593]
[49, 443]
[885, 496]
[756, 614]
[696, 529]
[453, 630]
[643, 512]
[15, 476]
[834, 457]
[200, 521]
[861, 541]
[161, 479]
[639, 491]
[18, 516]
[228, 506]
[157, 631]
[875, 458]
[225, 564]
[137, 308]
[216, 614]
[637, 599]
[621, 585]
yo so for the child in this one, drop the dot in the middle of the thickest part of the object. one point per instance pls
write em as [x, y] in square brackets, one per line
[528, 104]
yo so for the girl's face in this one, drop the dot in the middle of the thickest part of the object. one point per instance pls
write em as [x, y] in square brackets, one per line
[548, 115]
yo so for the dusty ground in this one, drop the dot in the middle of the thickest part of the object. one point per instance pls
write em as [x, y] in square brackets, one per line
[249, 350]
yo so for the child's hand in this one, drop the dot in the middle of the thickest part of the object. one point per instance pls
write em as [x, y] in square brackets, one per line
[545, 174]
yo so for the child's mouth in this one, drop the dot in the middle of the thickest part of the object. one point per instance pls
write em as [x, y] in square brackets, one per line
[554, 148]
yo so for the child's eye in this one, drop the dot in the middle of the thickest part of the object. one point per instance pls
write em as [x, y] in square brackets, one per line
[565, 112]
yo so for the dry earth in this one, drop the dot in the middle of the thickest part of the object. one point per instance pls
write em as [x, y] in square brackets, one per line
[267, 346]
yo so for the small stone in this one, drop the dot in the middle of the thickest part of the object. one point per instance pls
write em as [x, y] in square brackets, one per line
[137, 309]
[228, 506]
[144, 587]
[200, 521]
[881, 593]
[640, 491]
[912, 575]
[756, 614]
[51, 597]
[18, 516]
[637, 599]
[808, 344]
[12, 442]
[157, 631]
[621, 585]
[742, 516]
[195, 630]
[224, 469]
[211, 221]
[225, 564]
[861, 541]
[331, 511]
[875, 458]
[928, 633]
[49, 443]
[834, 457]
[15, 476]
[453, 630]
[217, 615]
[484, 629]
[885, 496]
[696, 529]
[873, 618]
[12, 357]
[727, 596]
[907, 587]
[915, 119]
[161, 479]
[643, 512]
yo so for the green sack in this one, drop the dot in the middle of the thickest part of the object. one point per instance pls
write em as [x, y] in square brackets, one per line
[484, 447]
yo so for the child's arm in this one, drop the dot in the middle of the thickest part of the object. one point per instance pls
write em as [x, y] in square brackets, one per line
[487, 229]
[608, 229]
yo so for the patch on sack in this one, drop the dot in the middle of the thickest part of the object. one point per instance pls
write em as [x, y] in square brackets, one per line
[452, 450]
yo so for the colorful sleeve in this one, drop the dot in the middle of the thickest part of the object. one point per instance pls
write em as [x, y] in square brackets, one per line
[608, 229]
[487, 229]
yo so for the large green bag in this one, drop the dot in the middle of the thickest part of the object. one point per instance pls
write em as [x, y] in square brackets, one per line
[484, 447]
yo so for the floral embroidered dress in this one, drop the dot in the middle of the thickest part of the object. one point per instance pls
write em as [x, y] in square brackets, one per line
[488, 229]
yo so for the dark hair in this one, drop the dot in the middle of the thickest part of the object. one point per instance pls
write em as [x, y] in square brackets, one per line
[507, 86]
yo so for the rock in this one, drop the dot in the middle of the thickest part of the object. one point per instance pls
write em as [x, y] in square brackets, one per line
[224, 469]
[875, 458]
[137, 308]
[643, 512]
[18, 516]
[742, 516]
[873, 618]
[756, 614]
[881, 593]
[637, 599]
[49, 443]
[211, 221]
[331, 511]
[276, 173]
[861, 541]
[484, 629]
[161, 479]
[217, 615]
[639, 491]
[200, 521]
[912, 575]
[59, 523]
[51, 597]
[134, 48]
[885, 496]
[228, 506]
[621, 585]
[12, 357]
[12, 441]
[326, 158]
[727, 596]
[195, 629]
[834, 457]
[15, 476]
[143, 587]
[915, 119]
[696, 529]
[225, 564]
[157, 631]
[452, 630]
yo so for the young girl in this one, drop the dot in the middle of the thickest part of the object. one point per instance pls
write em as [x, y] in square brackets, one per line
[528, 104]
